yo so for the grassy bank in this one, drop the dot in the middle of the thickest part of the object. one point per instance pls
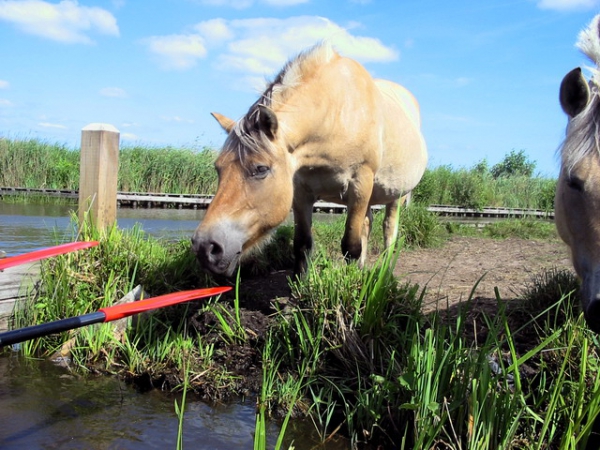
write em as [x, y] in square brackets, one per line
[350, 351]
[35, 164]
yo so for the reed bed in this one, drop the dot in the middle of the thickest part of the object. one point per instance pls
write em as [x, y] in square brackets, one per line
[32, 163]
[36, 164]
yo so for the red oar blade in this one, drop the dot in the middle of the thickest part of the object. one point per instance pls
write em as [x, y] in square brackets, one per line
[127, 309]
[11, 261]
[106, 315]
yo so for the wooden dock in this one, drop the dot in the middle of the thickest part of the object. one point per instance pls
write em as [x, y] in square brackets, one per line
[15, 283]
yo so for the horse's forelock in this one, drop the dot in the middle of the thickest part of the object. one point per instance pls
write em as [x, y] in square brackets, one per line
[583, 131]
[245, 139]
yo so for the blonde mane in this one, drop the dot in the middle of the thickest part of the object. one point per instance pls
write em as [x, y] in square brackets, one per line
[244, 137]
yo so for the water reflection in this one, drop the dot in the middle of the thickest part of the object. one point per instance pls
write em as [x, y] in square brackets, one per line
[43, 406]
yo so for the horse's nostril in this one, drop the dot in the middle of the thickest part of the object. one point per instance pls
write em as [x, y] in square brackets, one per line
[215, 249]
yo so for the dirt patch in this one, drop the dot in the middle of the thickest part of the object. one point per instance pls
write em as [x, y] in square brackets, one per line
[452, 271]
[449, 272]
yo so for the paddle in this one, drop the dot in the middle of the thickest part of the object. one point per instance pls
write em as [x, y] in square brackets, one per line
[11, 261]
[106, 314]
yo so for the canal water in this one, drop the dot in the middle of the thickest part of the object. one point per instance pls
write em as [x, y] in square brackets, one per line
[28, 227]
[44, 406]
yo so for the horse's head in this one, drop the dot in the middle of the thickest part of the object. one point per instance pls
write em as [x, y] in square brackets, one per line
[577, 201]
[254, 195]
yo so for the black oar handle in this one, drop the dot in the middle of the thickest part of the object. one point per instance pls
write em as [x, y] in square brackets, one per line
[24, 334]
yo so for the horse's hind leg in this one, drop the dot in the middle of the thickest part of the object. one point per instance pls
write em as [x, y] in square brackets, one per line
[390, 221]
[364, 239]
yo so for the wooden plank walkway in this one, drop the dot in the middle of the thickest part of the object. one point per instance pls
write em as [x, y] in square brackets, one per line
[15, 283]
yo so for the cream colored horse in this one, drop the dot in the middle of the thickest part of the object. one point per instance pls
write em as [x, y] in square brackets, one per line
[577, 202]
[324, 129]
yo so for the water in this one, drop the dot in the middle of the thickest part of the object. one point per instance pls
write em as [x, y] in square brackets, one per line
[28, 227]
[42, 406]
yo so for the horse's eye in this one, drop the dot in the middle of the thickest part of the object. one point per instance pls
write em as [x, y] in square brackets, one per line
[575, 184]
[261, 171]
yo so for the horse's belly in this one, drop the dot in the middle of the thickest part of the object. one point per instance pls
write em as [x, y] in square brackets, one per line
[323, 185]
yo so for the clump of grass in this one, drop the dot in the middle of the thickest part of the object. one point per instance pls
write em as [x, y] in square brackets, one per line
[552, 297]
[417, 227]
[276, 254]
[393, 376]
[352, 351]
[522, 228]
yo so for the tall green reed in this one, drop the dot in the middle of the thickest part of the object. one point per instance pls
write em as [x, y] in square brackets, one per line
[33, 163]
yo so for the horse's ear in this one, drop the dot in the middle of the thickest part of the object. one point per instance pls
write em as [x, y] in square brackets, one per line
[267, 121]
[226, 123]
[574, 92]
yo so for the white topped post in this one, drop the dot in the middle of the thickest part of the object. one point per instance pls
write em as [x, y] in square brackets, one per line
[98, 174]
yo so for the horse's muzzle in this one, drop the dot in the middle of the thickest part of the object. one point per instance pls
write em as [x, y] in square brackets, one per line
[218, 251]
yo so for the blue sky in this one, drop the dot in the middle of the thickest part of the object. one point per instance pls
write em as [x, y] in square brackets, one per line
[486, 72]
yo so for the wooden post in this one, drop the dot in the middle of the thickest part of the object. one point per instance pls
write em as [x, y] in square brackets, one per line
[98, 174]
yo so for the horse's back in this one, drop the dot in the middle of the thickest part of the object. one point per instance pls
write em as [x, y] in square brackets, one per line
[402, 97]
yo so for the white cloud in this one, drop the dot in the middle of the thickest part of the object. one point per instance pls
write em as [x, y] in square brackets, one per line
[242, 4]
[176, 119]
[113, 92]
[65, 21]
[215, 30]
[5, 102]
[258, 48]
[567, 5]
[176, 51]
[261, 46]
[4, 84]
[52, 125]
[129, 137]
[463, 81]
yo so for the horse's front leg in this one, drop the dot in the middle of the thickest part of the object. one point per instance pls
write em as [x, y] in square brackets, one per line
[303, 241]
[354, 242]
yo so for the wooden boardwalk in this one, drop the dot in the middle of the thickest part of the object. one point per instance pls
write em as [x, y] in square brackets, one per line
[15, 283]
[201, 201]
